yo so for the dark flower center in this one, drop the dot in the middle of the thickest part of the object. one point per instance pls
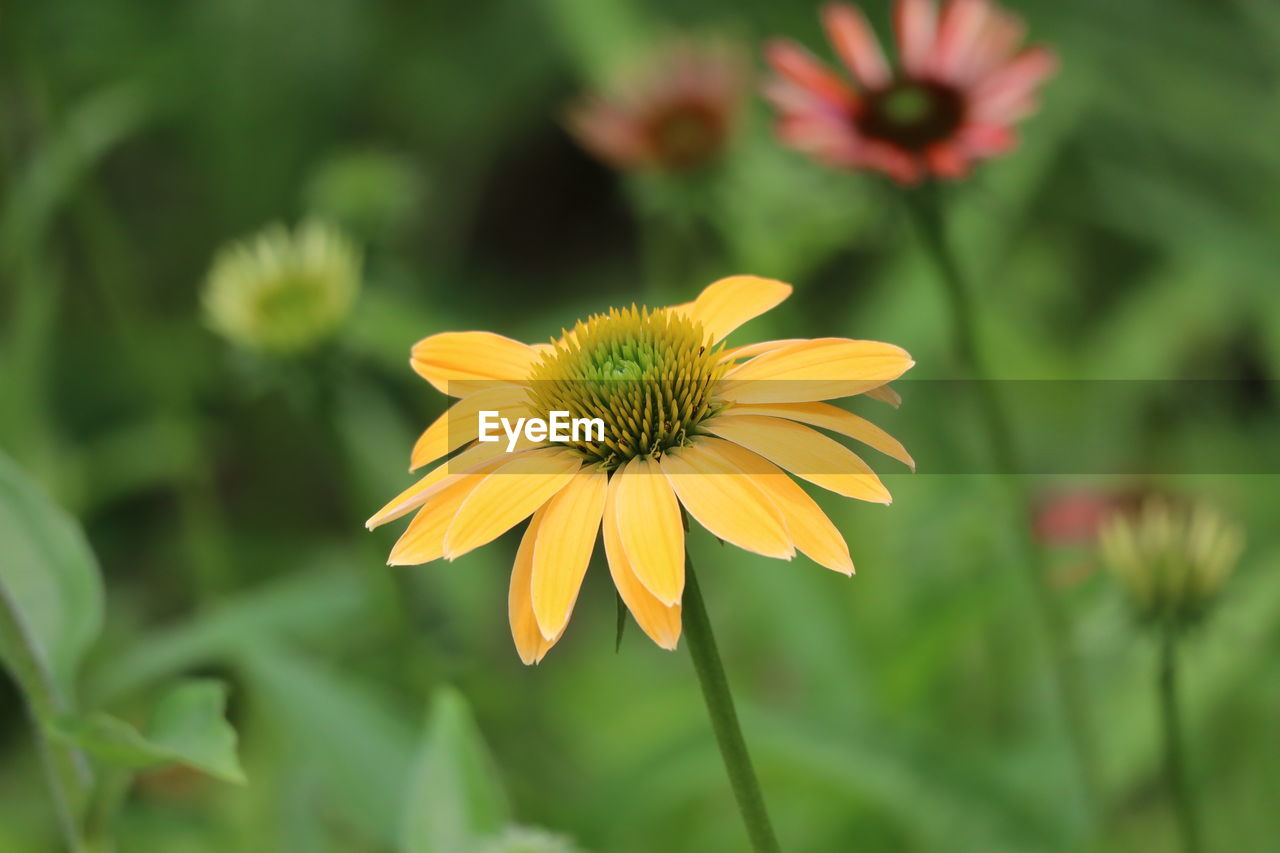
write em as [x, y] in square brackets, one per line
[686, 135]
[912, 114]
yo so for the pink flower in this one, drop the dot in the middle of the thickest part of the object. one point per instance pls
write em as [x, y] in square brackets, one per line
[1074, 516]
[962, 81]
[675, 113]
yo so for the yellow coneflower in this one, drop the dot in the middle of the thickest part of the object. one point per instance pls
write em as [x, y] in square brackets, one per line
[283, 292]
[687, 423]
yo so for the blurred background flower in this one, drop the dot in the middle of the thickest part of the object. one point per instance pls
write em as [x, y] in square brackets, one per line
[962, 82]
[674, 111]
[1171, 559]
[283, 292]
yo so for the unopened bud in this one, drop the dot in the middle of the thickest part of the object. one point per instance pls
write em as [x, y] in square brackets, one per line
[1171, 560]
[283, 292]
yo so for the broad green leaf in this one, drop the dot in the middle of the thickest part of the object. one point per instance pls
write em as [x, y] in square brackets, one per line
[107, 738]
[298, 605]
[342, 726]
[189, 724]
[50, 592]
[187, 727]
[454, 795]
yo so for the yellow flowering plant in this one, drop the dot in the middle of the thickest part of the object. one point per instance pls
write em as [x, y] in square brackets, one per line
[686, 425]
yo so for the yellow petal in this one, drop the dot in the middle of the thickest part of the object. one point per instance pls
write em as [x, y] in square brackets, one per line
[812, 532]
[808, 454]
[570, 523]
[480, 456]
[462, 422]
[650, 528]
[726, 304]
[747, 351]
[423, 540]
[834, 418]
[820, 369]
[885, 394]
[507, 495]
[470, 356]
[727, 502]
[660, 622]
[530, 643]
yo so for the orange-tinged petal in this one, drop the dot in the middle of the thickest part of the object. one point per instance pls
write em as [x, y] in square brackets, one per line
[560, 556]
[726, 304]
[746, 351]
[727, 502]
[812, 532]
[650, 528]
[834, 418]
[530, 643]
[470, 356]
[885, 394]
[461, 422]
[423, 540]
[808, 454]
[508, 494]
[660, 622]
[820, 369]
[470, 460]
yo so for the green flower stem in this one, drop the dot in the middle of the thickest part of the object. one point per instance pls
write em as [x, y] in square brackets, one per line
[68, 773]
[679, 239]
[927, 214]
[1184, 806]
[715, 692]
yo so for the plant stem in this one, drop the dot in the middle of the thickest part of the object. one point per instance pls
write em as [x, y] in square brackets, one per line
[927, 214]
[1174, 762]
[715, 692]
[70, 779]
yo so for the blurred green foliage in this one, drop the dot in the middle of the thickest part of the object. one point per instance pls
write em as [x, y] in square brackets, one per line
[1133, 236]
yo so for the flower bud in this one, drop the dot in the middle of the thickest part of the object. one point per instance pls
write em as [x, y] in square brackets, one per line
[281, 292]
[1172, 560]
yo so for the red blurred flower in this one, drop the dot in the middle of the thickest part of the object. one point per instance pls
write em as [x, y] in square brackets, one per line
[674, 113]
[1075, 516]
[963, 80]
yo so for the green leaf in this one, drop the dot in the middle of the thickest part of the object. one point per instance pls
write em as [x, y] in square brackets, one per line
[454, 796]
[50, 593]
[189, 724]
[338, 725]
[91, 129]
[298, 605]
[187, 727]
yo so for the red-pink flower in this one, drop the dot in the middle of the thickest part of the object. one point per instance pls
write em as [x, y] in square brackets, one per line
[674, 113]
[1075, 516]
[963, 79]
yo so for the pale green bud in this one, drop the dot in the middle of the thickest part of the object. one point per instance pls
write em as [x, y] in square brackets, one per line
[1172, 561]
[283, 292]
